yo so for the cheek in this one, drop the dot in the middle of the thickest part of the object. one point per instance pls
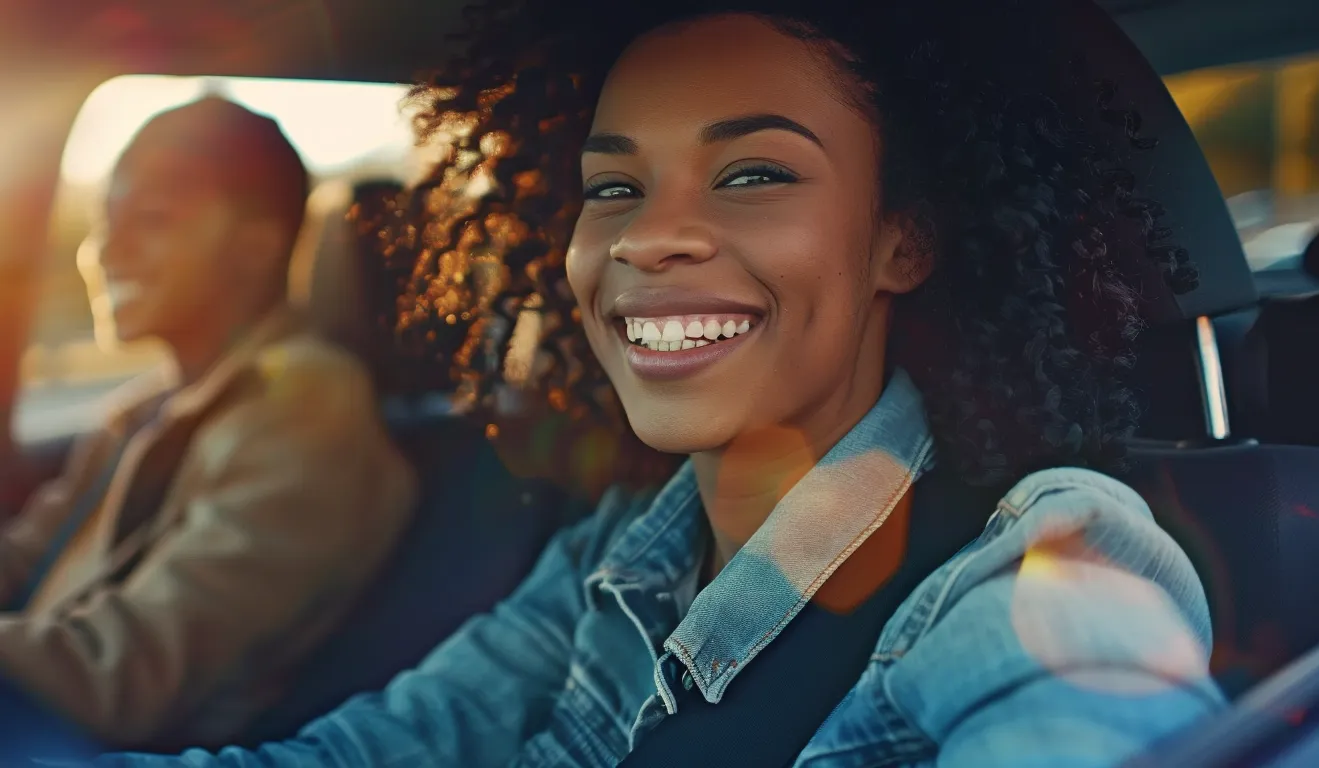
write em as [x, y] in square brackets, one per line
[157, 250]
[212, 229]
[585, 265]
[812, 260]
[581, 277]
[583, 270]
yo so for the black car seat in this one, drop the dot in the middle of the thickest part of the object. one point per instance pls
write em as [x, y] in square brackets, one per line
[477, 529]
[1246, 513]
[1285, 344]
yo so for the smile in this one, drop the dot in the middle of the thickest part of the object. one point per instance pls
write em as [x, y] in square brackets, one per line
[675, 334]
[675, 347]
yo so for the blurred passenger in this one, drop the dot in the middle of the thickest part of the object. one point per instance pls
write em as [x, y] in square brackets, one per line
[221, 523]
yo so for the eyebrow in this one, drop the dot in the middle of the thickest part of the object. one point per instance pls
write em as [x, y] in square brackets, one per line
[610, 144]
[714, 133]
[737, 127]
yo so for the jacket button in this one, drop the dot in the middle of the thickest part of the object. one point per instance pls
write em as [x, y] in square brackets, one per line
[687, 679]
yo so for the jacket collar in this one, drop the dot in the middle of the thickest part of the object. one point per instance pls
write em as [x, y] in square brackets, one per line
[812, 530]
[161, 387]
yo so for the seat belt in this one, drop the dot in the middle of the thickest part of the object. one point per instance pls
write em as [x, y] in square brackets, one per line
[781, 698]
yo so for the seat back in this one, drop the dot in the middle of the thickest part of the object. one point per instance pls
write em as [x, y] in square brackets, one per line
[1248, 517]
[1286, 341]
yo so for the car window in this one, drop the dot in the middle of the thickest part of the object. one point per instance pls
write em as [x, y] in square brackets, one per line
[345, 132]
[1258, 124]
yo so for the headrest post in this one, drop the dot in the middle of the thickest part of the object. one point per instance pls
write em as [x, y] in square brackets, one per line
[1213, 392]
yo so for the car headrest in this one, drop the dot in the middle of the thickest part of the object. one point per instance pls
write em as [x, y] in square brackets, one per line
[1174, 173]
[328, 276]
[323, 275]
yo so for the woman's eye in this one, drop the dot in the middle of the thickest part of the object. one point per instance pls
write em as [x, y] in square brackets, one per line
[758, 176]
[609, 191]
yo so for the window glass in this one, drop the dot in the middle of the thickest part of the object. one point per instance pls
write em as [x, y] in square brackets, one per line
[1259, 127]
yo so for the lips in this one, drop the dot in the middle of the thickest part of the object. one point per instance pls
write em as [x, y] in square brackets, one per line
[668, 302]
[672, 334]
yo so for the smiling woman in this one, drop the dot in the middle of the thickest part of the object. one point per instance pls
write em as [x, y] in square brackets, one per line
[963, 333]
[852, 261]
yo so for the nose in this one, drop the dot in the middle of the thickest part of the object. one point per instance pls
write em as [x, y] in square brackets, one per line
[660, 237]
[112, 248]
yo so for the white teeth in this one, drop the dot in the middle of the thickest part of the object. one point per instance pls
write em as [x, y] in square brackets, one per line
[672, 335]
[123, 292]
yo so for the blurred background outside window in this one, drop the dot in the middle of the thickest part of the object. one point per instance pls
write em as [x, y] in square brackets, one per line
[1259, 127]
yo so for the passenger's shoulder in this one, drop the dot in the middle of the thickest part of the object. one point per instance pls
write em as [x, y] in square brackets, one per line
[301, 373]
[309, 359]
[297, 391]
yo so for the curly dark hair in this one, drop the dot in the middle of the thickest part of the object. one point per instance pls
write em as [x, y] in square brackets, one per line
[1006, 153]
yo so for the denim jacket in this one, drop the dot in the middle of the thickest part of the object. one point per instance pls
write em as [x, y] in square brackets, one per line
[1072, 632]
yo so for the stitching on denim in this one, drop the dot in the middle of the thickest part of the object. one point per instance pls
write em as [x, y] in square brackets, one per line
[669, 706]
[888, 507]
[578, 677]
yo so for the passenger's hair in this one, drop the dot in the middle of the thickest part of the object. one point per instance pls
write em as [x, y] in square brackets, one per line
[255, 163]
[1010, 167]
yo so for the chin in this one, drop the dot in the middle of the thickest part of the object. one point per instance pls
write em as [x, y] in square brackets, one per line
[130, 324]
[679, 435]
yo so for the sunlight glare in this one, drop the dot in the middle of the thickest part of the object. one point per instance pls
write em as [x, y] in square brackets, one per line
[331, 124]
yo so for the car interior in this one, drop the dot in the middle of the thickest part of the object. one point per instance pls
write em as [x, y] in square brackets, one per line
[1227, 455]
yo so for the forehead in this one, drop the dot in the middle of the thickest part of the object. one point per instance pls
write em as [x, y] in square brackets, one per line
[164, 171]
[718, 67]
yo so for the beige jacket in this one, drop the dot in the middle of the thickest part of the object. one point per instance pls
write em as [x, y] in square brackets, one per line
[180, 630]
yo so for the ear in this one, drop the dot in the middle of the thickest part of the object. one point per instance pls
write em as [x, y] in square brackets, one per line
[903, 255]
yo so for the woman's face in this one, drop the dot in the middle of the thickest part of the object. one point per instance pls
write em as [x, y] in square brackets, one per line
[731, 263]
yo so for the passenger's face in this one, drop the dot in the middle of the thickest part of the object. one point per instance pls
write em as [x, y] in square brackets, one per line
[731, 264]
[169, 244]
